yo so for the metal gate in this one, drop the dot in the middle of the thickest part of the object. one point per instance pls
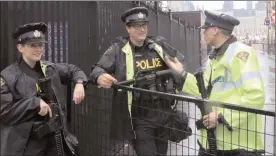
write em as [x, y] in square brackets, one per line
[79, 33]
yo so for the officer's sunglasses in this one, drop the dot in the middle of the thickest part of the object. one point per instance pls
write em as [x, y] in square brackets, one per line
[36, 45]
[138, 26]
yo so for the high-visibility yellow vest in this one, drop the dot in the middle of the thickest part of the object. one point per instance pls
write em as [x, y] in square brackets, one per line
[236, 79]
[43, 68]
[130, 68]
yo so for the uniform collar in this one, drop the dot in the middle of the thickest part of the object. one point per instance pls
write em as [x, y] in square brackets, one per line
[221, 50]
[35, 72]
[145, 43]
[22, 63]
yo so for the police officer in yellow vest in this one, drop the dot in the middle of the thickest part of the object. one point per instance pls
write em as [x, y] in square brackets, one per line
[132, 118]
[234, 74]
[22, 110]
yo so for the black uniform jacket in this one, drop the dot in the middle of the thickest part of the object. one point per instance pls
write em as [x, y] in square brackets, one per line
[113, 61]
[20, 106]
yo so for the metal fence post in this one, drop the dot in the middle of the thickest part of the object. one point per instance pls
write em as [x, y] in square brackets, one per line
[200, 48]
[69, 104]
[185, 36]
[157, 17]
[274, 142]
[170, 13]
[179, 25]
[267, 15]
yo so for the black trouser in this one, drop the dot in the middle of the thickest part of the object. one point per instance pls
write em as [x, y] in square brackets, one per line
[148, 141]
[236, 152]
[148, 125]
[44, 146]
[41, 147]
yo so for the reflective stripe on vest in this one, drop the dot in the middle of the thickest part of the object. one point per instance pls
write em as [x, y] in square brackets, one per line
[237, 84]
[230, 51]
[228, 84]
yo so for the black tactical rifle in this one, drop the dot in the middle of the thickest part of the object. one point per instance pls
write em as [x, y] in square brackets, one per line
[145, 77]
[53, 124]
[205, 109]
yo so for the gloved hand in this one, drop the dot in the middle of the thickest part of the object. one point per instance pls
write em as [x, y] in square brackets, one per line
[178, 73]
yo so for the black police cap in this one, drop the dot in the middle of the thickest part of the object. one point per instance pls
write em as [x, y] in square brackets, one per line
[30, 33]
[137, 14]
[219, 20]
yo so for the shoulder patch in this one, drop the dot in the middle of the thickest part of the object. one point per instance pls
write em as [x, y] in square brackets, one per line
[243, 55]
[2, 82]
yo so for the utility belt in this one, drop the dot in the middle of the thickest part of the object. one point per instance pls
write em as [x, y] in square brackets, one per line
[161, 85]
[43, 128]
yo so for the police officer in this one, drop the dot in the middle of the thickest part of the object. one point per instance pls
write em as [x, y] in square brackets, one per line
[233, 75]
[22, 111]
[132, 56]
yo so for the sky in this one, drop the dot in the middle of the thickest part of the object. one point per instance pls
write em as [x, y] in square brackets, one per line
[216, 5]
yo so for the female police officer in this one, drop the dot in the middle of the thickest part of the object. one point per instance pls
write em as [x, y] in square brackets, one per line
[21, 110]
